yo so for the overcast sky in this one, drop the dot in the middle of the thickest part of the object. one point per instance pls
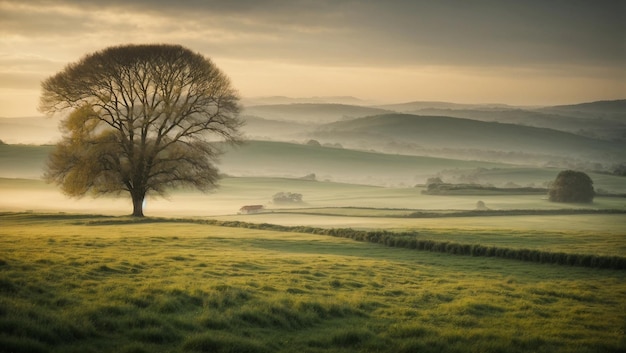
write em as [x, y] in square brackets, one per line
[531, 52]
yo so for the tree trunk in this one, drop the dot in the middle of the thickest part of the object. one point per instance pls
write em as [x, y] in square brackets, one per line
[138, 204]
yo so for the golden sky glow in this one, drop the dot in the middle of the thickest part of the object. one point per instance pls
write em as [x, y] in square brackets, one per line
[514, 52]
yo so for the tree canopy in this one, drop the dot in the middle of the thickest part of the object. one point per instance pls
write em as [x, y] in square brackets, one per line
[571, 186]
[139, 119]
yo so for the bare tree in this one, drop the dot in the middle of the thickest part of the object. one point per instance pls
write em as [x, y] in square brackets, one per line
[141, 119]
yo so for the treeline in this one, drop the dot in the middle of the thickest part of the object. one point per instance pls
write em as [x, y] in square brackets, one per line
[453, 189]
[520, 212]
[411, 240]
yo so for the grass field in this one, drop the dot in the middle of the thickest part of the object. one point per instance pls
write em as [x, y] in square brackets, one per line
[82, 283]
[586, 234]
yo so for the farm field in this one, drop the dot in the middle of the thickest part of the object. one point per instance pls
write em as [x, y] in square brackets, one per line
[85, 283]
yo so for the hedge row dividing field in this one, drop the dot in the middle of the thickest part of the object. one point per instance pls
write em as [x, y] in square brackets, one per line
[407, 213]
[411, 240]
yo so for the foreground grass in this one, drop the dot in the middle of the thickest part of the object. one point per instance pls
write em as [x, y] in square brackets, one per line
[69, 284]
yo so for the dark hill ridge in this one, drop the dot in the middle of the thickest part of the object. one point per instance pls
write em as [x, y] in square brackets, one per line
[311, 112]
[419, 105]
[612, 130]
[456, 133]
[602, 119]
[275, 100]
[615, 106]
[602, 110]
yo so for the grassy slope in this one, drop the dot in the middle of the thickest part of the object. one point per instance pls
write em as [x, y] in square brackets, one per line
[264, 158]
[448, 132]
[83, 285]
[604, 119]
[614, 109]
[259, 158]
[23, 161]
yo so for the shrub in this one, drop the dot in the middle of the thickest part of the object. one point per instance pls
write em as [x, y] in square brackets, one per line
[314, 143]
[571, 186]
[287, 197]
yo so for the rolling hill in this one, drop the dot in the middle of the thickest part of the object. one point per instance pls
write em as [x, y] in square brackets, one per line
[603, 119]
[424, 133]
[263, 158]
[256, 128]
[419, 105]
[613, 109]
[604, 129]
[274, 100]
[311, 113]
[281, 159]
[31, 130]
[288, 160]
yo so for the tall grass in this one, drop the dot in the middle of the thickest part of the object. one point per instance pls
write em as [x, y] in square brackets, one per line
[101, 285]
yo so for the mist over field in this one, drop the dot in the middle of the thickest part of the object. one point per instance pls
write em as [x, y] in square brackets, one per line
[378, 150]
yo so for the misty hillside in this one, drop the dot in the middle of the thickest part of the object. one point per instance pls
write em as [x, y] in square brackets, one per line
[419, 105]
[23, 161]
[275, 100]
[602, 119]
[614, 110]
[439, 132]
[288, 160]
[264, 158]
[312, 113]
[30, 130]
[265, 129]
[596, 128]
[281, 159]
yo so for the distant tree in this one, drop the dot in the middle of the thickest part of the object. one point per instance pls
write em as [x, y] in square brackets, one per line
[313, 143]
[2, 142]
[310, 177]
[571, 186]
[433, 181]
[139, 120]
[480, 206]
[287, 197]
[620, 170]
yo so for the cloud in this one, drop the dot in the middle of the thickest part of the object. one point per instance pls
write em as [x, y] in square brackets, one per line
[558, 39]
[394, 32]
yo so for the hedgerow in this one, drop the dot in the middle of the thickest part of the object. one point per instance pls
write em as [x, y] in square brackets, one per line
[411, 240]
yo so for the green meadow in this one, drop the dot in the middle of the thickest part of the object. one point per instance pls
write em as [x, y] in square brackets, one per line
[86, 283]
